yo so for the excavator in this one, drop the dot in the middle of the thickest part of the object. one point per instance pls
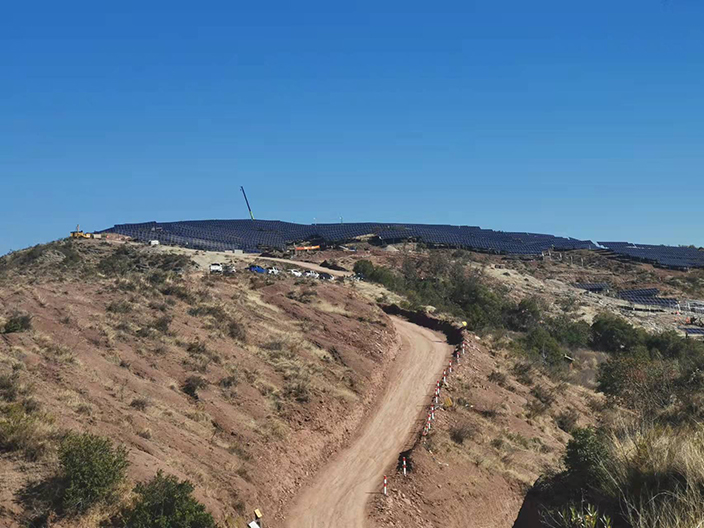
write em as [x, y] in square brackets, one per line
[694, 321]
[80, 234]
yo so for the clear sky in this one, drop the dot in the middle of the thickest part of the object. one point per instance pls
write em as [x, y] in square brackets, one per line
[571, 118]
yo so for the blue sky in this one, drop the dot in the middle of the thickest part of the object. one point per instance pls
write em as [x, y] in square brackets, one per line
[572, 118]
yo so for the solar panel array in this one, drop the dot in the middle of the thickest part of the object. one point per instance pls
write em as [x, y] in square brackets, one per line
[649, 296]
[643, 292]
[592, 286]
[668, 256]
[693, 331]
[256, 235]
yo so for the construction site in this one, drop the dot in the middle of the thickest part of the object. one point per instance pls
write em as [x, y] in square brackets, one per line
[193, 357]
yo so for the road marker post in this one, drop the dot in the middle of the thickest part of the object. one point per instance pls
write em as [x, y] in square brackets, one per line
[444, 377]
[450, 369]
[404, 466]
[432, 412]
[385, 493]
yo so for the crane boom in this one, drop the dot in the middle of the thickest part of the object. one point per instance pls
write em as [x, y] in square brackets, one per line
[251, 215]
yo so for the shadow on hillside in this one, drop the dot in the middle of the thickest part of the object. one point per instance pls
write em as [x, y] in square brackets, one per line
[40, 500]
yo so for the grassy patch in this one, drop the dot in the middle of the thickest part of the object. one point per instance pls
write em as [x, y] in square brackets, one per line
[18, 322]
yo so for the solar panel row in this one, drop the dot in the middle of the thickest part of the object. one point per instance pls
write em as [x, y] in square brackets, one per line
[693, 331]
[680, 257]
[643, 292]
[592, 286]
[256, 235]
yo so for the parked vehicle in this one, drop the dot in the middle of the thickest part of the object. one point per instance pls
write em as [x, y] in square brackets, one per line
[312, 274]
[256, 269]
[229, 269]
[296, 272]
[326, 276]
[274, 271]
[216, 267]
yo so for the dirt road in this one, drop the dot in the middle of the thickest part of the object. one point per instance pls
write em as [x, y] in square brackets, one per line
[206, 258]
[340, 492]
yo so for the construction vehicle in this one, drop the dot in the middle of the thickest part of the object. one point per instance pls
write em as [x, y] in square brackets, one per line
[80, 234]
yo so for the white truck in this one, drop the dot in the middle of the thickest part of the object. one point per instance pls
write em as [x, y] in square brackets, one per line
[216, 267]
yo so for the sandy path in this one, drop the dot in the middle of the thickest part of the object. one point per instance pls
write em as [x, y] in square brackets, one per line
[340, 492]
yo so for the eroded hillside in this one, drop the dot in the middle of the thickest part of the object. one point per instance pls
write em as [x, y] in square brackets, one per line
[249, 386]
[241, 384]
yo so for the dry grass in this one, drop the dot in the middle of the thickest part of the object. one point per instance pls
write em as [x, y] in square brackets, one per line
[658, 473]
[23, 426]
[54, 351]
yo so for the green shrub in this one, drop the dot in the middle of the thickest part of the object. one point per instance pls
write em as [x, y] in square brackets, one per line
[498, 377]
[639, 383]
[525, 315]
[611, 333]
[364, 267]
[461, 432]
[164, 502]
[543, 395]
[91, 469]
[161, 324]
[9, 386]
[578, 516]
[229, 381]
[586, 457]
[236, 331]
[18, 322]
[193, 384]
[297, 389]
[567, 420]
[120, 306]
[569, 333]
[127, 259]
[523, 372]
[140, 404]
[540, 344]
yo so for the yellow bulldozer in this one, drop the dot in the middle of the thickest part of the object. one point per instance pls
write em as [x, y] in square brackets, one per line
[80, 234]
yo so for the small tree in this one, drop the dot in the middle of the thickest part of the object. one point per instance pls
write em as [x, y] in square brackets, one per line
[364, 267]
[92, 468]
[586, 456]
[525, 315]
[612, 333]
[165, 502]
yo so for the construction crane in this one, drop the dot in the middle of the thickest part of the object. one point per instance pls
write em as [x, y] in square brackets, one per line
[251, 215]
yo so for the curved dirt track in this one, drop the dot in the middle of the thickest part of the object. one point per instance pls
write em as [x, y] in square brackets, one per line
[339, 493]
